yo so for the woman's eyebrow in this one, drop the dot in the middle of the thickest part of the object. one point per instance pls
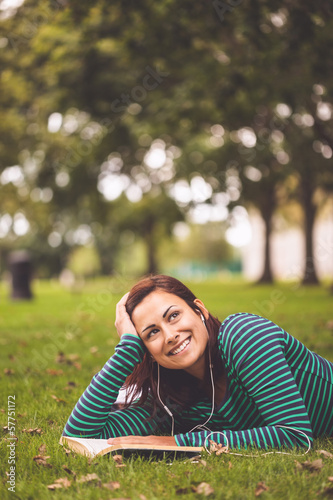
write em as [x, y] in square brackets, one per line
[166, 312]
[150, 326]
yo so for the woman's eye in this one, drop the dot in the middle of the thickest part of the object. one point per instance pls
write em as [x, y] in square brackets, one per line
[173, 315]
[151, 333]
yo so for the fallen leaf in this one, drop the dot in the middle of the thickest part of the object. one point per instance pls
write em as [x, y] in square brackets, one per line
[312, 466]
[142, 497]
[58, 400]
[42, 449]
[41, 460]
[230, 466]
[62, 482]
[89, 478]
[73, 357]
[69, 471]
[77, 365]
[54, 486]
[71, 384]
[223, 449]
[325, 453]
[8, 371]
[3, 410]
[53, 372]
[217, 448]
[118, 459]
[330, 478]
[261, 487]
[36, 430]
[111, 485]
[67, 451]
[93, 349]
[203, 489]
[61, 358]
[182, 491]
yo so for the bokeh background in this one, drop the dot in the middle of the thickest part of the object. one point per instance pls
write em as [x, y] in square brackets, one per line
[190, 138]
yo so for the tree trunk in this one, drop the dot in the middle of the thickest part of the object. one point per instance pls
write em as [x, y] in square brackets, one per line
[310, 276]
[267, 215]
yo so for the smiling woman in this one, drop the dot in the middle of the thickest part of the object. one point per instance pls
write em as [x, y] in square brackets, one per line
[245, 382]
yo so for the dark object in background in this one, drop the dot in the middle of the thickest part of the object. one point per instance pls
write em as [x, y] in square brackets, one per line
[20, 267]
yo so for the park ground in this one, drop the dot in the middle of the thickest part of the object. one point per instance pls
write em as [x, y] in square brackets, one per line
[53, 345]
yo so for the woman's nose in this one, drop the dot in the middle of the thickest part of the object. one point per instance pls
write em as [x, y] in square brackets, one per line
[170, 336]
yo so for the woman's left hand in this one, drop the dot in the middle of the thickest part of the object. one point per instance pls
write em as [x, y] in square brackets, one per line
[147, 440]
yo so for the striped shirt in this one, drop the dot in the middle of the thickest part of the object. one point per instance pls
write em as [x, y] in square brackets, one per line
[278, 394]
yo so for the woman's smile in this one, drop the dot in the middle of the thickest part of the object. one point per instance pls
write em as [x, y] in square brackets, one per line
[182, 347]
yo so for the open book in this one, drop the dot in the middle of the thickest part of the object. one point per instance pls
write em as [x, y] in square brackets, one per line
[93, 447]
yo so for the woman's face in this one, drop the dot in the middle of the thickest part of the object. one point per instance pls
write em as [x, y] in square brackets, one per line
[173, 333]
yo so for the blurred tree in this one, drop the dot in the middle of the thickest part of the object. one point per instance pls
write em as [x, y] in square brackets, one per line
[151, 219]
[116, 80]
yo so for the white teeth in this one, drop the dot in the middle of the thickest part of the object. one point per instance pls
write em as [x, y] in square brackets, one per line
[181, 347]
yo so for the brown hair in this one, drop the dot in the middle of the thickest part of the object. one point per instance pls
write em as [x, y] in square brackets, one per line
[175, 385]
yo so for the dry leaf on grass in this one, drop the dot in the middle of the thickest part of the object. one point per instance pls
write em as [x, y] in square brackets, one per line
[314, 466]
[325, 453]
[119, 460]
[330, 478]
[89, 478]
[142, 497]
[35, 430]
[67, 451]
[261, 487]
[70, 359]
[41, 460]
[182, 491]
[51, 371]
[112, 485]
[58, 400]
[42, 449]
[62, 482]
[9, 371]
[218, 449]
[203, 489]
[70, 383]
[68, 470]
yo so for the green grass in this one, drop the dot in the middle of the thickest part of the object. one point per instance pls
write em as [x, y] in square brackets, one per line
[32, 335]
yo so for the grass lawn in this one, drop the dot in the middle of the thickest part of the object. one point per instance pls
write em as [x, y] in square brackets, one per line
[47, 384]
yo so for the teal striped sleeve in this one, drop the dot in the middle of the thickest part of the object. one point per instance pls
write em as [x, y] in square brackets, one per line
[92, 415]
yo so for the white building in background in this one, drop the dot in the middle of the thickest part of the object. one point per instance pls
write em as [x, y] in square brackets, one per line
[288, 250]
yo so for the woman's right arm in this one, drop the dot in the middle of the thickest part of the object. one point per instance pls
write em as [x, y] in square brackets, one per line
[92, 416]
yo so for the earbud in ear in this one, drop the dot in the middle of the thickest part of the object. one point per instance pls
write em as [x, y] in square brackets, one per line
[203, 319]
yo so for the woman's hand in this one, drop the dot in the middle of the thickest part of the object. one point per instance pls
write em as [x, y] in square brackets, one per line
[123, 322]
[147, 440]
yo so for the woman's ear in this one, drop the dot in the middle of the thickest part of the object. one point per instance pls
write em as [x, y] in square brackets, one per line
[202, 309]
